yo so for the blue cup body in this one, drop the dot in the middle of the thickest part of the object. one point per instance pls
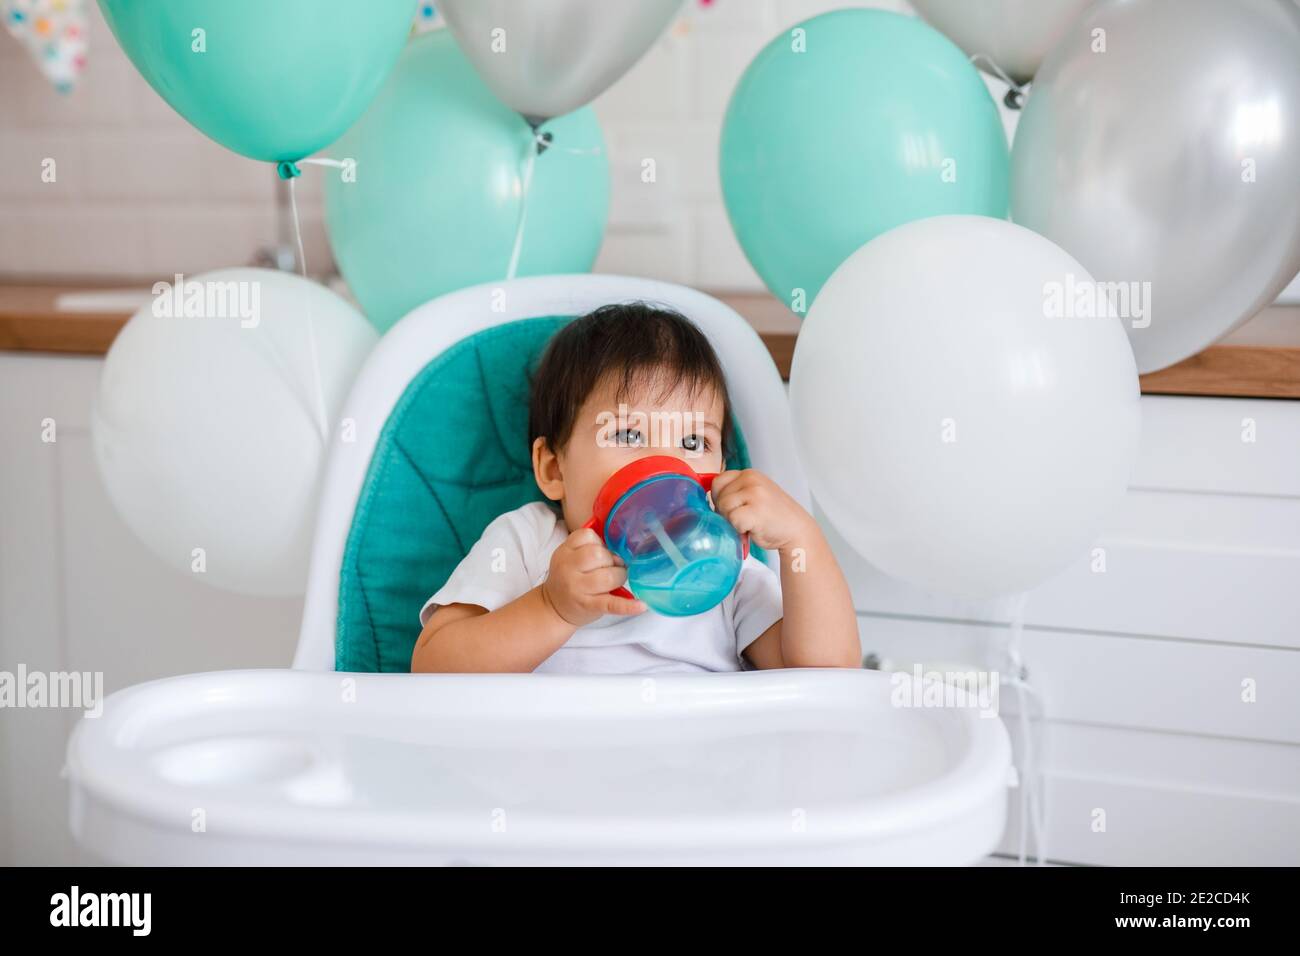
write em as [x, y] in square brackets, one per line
[682, 557]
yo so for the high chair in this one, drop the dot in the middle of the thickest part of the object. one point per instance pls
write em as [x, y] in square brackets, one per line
[375, 765]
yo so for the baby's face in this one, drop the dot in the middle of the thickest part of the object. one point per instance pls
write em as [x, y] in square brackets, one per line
[650, 421]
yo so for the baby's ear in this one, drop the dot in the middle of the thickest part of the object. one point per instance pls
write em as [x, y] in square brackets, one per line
[546, 470]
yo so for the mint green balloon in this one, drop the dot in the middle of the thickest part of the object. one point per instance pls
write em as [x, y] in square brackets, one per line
[848, 125]
[275, 80]
[439, 175]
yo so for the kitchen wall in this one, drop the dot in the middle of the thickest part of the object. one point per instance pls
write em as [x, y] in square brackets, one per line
[140, 193]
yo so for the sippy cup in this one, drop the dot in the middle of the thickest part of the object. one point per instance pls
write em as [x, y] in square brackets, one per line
[682, 557]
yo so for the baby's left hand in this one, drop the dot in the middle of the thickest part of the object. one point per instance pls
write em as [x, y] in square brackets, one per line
[756, 504]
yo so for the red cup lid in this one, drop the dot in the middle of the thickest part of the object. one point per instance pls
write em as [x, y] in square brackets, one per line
[631, 474]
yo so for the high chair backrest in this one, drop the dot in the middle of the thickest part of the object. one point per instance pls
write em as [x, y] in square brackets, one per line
[433, 445]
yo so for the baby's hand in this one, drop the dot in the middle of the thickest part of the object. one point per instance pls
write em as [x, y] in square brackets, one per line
[756, 504]
[583, 572]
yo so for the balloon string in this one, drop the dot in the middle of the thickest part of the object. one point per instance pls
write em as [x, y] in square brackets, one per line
[322, 161]
[272, 352]
[535, 145]
[311, 319]
[538, 144]
[593, 151]
[1017, 92]
[1032, 802]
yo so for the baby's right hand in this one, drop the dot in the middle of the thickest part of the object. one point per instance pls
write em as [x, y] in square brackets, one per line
[583, 572]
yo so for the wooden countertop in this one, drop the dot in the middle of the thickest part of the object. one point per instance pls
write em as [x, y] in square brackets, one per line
[30, 321]
[1259, 360]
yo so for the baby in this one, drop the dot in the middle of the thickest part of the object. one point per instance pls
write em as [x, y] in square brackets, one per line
[533, 594]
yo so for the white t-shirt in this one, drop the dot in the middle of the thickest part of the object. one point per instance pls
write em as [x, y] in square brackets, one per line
[514, 556]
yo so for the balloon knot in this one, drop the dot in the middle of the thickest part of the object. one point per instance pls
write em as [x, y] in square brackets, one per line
[543, 142]
[1014, 99]
[288, 170]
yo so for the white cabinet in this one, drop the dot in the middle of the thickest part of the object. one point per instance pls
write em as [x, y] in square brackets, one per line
[79, 593]
[1170, 676]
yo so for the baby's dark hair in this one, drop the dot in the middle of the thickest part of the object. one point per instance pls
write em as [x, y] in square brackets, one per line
[642, 345]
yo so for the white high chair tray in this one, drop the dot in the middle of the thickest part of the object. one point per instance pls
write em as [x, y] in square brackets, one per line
[769, 767]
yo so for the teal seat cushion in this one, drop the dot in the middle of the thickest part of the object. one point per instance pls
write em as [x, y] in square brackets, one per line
[452, 456]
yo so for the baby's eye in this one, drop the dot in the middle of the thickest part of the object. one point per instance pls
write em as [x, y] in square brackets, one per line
[629, 437]
[695, 443]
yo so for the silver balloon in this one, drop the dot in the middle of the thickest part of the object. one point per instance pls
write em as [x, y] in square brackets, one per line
[1161, 145]
[545, 58]
[1014, 34]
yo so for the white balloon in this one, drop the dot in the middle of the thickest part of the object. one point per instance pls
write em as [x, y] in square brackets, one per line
[954, 430]
[207, 427]
[1014, 34]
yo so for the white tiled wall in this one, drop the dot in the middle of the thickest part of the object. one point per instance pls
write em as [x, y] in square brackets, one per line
[140, 193]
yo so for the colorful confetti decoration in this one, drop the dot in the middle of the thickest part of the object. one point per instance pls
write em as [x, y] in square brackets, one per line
[54, 32]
